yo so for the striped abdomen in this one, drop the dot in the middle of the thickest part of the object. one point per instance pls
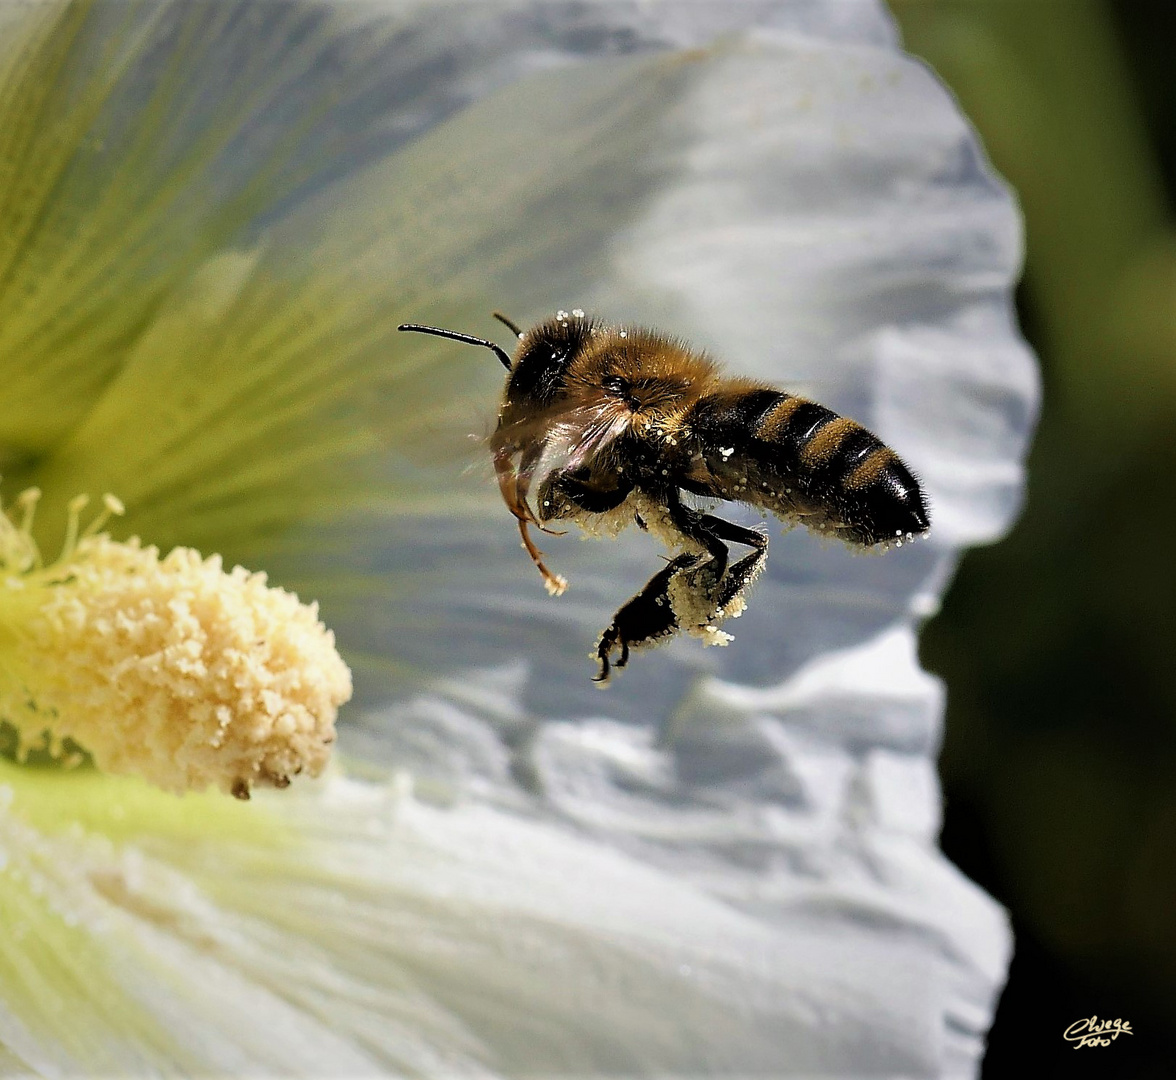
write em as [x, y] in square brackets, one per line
[801, 460]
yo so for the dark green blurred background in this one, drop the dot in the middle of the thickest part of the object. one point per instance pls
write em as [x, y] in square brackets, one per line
[1059, 644]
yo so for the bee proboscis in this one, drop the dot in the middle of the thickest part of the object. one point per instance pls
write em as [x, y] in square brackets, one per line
[610, 426]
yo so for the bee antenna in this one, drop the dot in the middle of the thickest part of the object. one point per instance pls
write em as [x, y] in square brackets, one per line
[508, 323]
[467, 339]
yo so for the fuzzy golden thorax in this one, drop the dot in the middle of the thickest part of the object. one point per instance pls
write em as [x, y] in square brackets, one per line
[652, 378]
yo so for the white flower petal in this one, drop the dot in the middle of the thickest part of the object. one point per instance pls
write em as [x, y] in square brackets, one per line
[482, 942]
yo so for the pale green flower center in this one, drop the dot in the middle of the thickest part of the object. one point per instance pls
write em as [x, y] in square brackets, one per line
[171, 669]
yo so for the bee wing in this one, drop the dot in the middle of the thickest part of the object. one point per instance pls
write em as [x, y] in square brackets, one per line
[558, 440]
[580, 435]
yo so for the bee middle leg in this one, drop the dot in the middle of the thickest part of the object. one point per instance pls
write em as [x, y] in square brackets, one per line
[703, 594]
[695, 590]
[742, 573]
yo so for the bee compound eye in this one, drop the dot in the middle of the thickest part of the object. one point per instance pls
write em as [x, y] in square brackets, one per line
[615, 384]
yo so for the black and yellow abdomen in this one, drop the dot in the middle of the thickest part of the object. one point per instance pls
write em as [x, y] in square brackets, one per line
[804, 461]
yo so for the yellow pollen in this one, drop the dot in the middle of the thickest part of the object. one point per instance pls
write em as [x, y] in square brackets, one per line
[171, 669]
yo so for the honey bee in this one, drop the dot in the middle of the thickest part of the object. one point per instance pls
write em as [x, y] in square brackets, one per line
[611, 426]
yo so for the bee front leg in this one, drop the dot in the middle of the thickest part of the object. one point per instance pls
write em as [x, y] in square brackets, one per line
[513, 486]
[555, 584]
[566, 496]
[645, 620]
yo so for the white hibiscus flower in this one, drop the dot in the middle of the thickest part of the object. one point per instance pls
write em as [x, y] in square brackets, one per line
[212, 218]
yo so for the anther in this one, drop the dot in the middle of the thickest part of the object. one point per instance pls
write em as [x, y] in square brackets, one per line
[112, 507]
[27, 500]
[75, 506]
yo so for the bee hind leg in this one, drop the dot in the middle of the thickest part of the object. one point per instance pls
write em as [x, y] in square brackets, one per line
[647, 619]
[692, 592]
